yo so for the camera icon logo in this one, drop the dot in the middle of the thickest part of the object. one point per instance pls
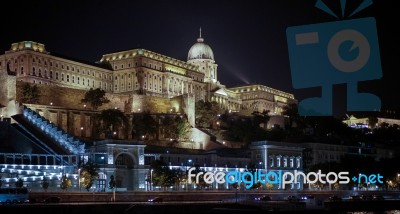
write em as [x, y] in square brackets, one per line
[325, 54]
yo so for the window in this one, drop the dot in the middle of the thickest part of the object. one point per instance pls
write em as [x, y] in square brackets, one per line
[298, 163]
[271, 161]
[67, 77]
[62, 77]
[291, 162]
[285, 162]
[278, 162]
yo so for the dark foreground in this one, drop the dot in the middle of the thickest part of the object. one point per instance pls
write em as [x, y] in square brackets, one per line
[186, 208]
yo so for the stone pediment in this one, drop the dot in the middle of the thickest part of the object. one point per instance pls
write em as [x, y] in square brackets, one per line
[220, 91]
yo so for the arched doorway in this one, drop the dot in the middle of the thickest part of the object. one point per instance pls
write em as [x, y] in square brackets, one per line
[124, 160]
[124, 171]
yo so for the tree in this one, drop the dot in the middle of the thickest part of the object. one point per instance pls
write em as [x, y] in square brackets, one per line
[30, 94]
[19, 183]
[372, 122]
[88, 174]
[45, 183]
[111, 185]
[112, 182]
[260, 118]
[162, 175]
[65, 183]
[291, 110]
[182, 127]
[144, 124]
[112, 120]
[206, 112]
[95, 98]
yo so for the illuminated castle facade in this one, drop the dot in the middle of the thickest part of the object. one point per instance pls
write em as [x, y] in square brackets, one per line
[144, 72]
[135, 80]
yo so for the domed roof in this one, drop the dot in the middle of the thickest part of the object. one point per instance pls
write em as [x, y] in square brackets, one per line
[200, 50]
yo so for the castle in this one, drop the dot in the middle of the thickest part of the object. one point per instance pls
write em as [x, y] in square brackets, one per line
[135, 81]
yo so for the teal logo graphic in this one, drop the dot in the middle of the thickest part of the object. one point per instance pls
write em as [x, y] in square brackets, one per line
[372, 178]
[325, 54]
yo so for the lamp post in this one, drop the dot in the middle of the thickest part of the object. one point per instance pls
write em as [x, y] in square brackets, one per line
[104, 172]
[79, 179]
[151, 179]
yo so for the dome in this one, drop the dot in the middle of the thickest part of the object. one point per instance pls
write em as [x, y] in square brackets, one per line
[200, 50]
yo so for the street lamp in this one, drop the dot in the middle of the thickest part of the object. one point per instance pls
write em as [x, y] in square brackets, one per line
[151, 179]
[79, 179]
[104, 172]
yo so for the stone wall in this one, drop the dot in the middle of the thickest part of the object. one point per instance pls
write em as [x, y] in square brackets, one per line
[8, 105]
[70, 98]
[185, 104]
[140, 103]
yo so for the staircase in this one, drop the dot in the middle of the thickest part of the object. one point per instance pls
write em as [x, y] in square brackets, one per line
[54, 138]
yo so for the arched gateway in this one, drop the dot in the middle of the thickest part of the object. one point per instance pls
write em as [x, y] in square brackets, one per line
[124, 160]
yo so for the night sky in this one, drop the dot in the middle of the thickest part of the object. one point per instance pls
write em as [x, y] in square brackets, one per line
[248, 38]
